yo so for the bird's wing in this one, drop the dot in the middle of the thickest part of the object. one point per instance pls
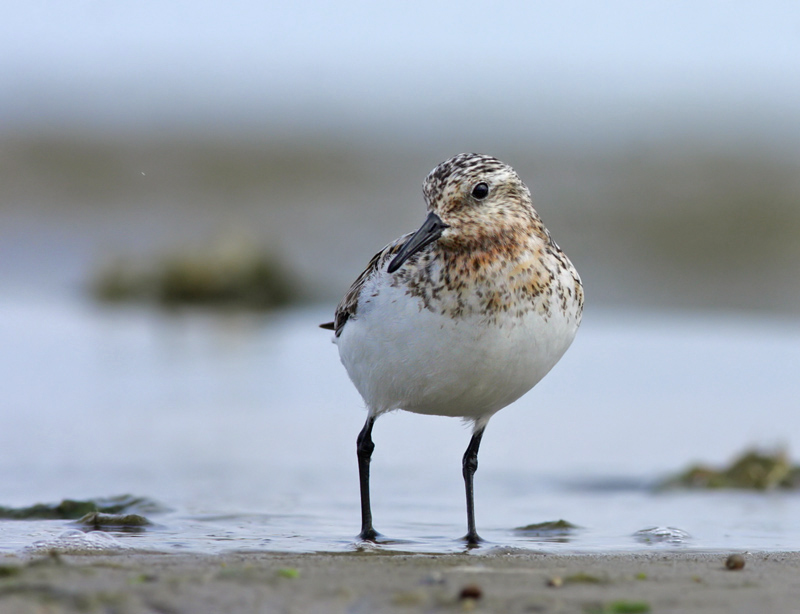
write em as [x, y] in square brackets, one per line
[349, 304]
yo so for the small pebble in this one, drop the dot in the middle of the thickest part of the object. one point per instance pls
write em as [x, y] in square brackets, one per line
[735, 562]
[471, 591]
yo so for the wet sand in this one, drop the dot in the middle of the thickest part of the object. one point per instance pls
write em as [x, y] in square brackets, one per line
[654, 581]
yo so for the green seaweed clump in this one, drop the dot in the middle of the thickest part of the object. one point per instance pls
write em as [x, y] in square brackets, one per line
[583, 578]
[99, 521]
[549, 528]
[7, 571]
[70, 509]
[752, 470]
[230, 275]
[624, 607]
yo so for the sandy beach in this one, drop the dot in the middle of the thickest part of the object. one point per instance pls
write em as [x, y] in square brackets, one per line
[655, 581]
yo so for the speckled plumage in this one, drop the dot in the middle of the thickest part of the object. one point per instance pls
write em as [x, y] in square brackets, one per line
[480, 305]
[495, 263]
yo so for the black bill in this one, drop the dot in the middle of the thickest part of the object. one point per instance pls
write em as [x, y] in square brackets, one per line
[429, 231]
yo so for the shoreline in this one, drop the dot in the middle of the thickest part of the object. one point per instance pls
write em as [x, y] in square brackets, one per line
[380, 581]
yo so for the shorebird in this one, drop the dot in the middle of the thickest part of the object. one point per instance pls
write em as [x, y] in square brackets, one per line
[461, 317]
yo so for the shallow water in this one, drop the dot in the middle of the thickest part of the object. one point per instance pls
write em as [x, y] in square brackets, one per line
[244, 428]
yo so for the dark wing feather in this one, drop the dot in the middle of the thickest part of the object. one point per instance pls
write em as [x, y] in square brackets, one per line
[349, 304]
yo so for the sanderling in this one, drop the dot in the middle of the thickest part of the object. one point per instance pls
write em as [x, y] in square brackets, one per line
[461, 317]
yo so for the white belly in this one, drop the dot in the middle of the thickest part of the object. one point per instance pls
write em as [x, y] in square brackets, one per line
[400, 355]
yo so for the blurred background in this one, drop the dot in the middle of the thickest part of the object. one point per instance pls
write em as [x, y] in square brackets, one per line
[143, 142]
[661, 139]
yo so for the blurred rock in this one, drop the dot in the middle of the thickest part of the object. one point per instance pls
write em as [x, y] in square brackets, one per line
[231, 274]
[752, 470]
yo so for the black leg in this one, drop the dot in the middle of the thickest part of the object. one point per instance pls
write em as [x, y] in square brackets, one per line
[470, 465]
[364, 450]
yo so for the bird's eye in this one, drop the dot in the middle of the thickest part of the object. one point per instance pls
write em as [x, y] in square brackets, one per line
[480, 191]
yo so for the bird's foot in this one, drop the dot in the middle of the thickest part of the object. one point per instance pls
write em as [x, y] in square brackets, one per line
[369, 534]
[473, 540]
